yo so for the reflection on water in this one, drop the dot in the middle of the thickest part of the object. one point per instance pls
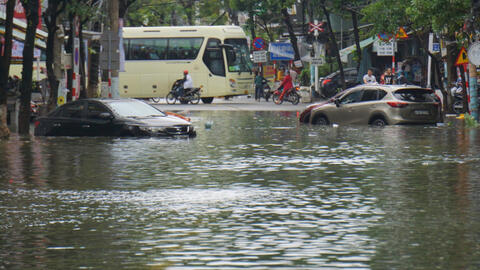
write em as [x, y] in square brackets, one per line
[256, 190]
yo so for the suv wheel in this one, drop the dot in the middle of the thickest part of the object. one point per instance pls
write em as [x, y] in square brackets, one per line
[379, 122]
[320, 120]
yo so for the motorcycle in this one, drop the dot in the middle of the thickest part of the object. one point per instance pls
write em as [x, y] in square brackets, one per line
[291, 95]
[267, 90]
[458, 100]
[191, 95]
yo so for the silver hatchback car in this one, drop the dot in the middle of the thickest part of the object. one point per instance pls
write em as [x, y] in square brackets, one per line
[377, 105]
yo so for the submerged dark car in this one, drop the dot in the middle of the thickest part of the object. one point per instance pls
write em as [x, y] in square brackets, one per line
[112, 117]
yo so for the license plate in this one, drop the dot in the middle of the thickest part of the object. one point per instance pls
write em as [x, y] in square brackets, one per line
[421, 112]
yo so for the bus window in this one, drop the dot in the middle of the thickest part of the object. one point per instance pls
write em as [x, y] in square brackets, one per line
[183, 48]
[145, 48]
[162, 48]
[213, 57]
[241, 61]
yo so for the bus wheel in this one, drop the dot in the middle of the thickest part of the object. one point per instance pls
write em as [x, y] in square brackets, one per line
[155, 99]
[207, 100]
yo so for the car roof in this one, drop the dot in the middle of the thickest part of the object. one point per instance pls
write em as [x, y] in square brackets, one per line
[387, 87]
[111, 100]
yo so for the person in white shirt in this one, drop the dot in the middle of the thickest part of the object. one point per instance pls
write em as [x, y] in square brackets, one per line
[369, 77]
[187, 83]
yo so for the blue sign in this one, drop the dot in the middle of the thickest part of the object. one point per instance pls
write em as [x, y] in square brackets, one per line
[281, 51]
[436, 47]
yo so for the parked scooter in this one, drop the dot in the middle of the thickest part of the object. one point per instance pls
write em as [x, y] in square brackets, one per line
[189, 96]
[291, 95]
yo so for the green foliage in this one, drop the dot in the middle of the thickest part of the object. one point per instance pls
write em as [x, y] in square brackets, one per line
[305, 75]
[470, 122]
[441, 16]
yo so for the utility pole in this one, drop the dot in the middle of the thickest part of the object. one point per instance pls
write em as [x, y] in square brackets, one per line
[109, 58]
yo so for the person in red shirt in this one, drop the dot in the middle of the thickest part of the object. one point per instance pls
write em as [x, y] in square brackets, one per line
[286, 84]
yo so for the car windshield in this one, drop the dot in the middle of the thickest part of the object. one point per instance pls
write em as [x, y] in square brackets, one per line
[415, 95]
[338, 95]
[241, 61]
[134, 109]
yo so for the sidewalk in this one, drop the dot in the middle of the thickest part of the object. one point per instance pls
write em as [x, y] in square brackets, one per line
[238, 103]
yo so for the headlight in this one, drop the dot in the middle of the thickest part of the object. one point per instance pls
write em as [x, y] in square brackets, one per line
[233, 83]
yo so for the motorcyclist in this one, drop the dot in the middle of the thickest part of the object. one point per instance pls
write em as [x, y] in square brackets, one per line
[187, 84]
[287, 85]
[457, 89]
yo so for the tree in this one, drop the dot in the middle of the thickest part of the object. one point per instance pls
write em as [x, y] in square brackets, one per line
[293, 38]
[31, 11]
[444, 17]
[326, 12]
[55, 8]
[189, 10]
[5, 67]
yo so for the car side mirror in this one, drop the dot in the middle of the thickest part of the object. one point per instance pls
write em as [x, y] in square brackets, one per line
[337, 102]
[105, 116]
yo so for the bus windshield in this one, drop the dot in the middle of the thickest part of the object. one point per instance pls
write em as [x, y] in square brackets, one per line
[240, 62]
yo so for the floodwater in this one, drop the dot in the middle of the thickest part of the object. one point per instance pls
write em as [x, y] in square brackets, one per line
[257, 190]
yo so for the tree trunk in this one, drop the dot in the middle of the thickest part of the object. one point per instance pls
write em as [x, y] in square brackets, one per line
[251, 22]
[50, 19]
[232, 14]
[94, 66]
[31, 10]
[357, 38]
[69, 49]
[83, 88]
[293, 38]
[5, 68]
[334, 44]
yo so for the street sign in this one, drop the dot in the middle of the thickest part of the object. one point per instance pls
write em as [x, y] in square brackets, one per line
[109, 52]
[316, 26]
[384, 37]
[281, 51]
[401, 33]
[259, 43]
[317, 61]
[462, 58]
[436, 47]
[260, 56]
[385, 48]
[474, 53]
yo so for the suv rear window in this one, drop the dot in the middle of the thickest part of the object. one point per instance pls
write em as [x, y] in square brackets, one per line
[415, 95]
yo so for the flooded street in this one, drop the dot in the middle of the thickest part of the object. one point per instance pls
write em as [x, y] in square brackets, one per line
[257, 190]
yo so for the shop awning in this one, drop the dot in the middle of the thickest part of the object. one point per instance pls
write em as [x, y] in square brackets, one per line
[344, 53]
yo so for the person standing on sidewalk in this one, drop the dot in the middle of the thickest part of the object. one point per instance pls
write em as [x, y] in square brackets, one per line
[388, 77]
[258, 86]
[369, 77]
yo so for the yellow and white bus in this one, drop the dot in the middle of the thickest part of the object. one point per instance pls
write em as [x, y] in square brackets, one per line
[217, 58]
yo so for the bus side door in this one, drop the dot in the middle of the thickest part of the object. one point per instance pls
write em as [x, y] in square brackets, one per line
[213, 58]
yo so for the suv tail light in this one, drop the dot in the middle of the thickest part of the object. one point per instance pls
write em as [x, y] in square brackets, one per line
[397, 104]
[326, 81]
[37, 123]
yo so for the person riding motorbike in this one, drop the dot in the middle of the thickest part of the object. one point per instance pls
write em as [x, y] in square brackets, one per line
[187, 84]
[287, 85]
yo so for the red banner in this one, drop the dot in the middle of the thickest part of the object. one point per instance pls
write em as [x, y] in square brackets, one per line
[20, 11]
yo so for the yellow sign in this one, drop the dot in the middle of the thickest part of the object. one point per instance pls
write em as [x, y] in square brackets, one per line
[462, 57]
[401, 33]
[61, 100]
